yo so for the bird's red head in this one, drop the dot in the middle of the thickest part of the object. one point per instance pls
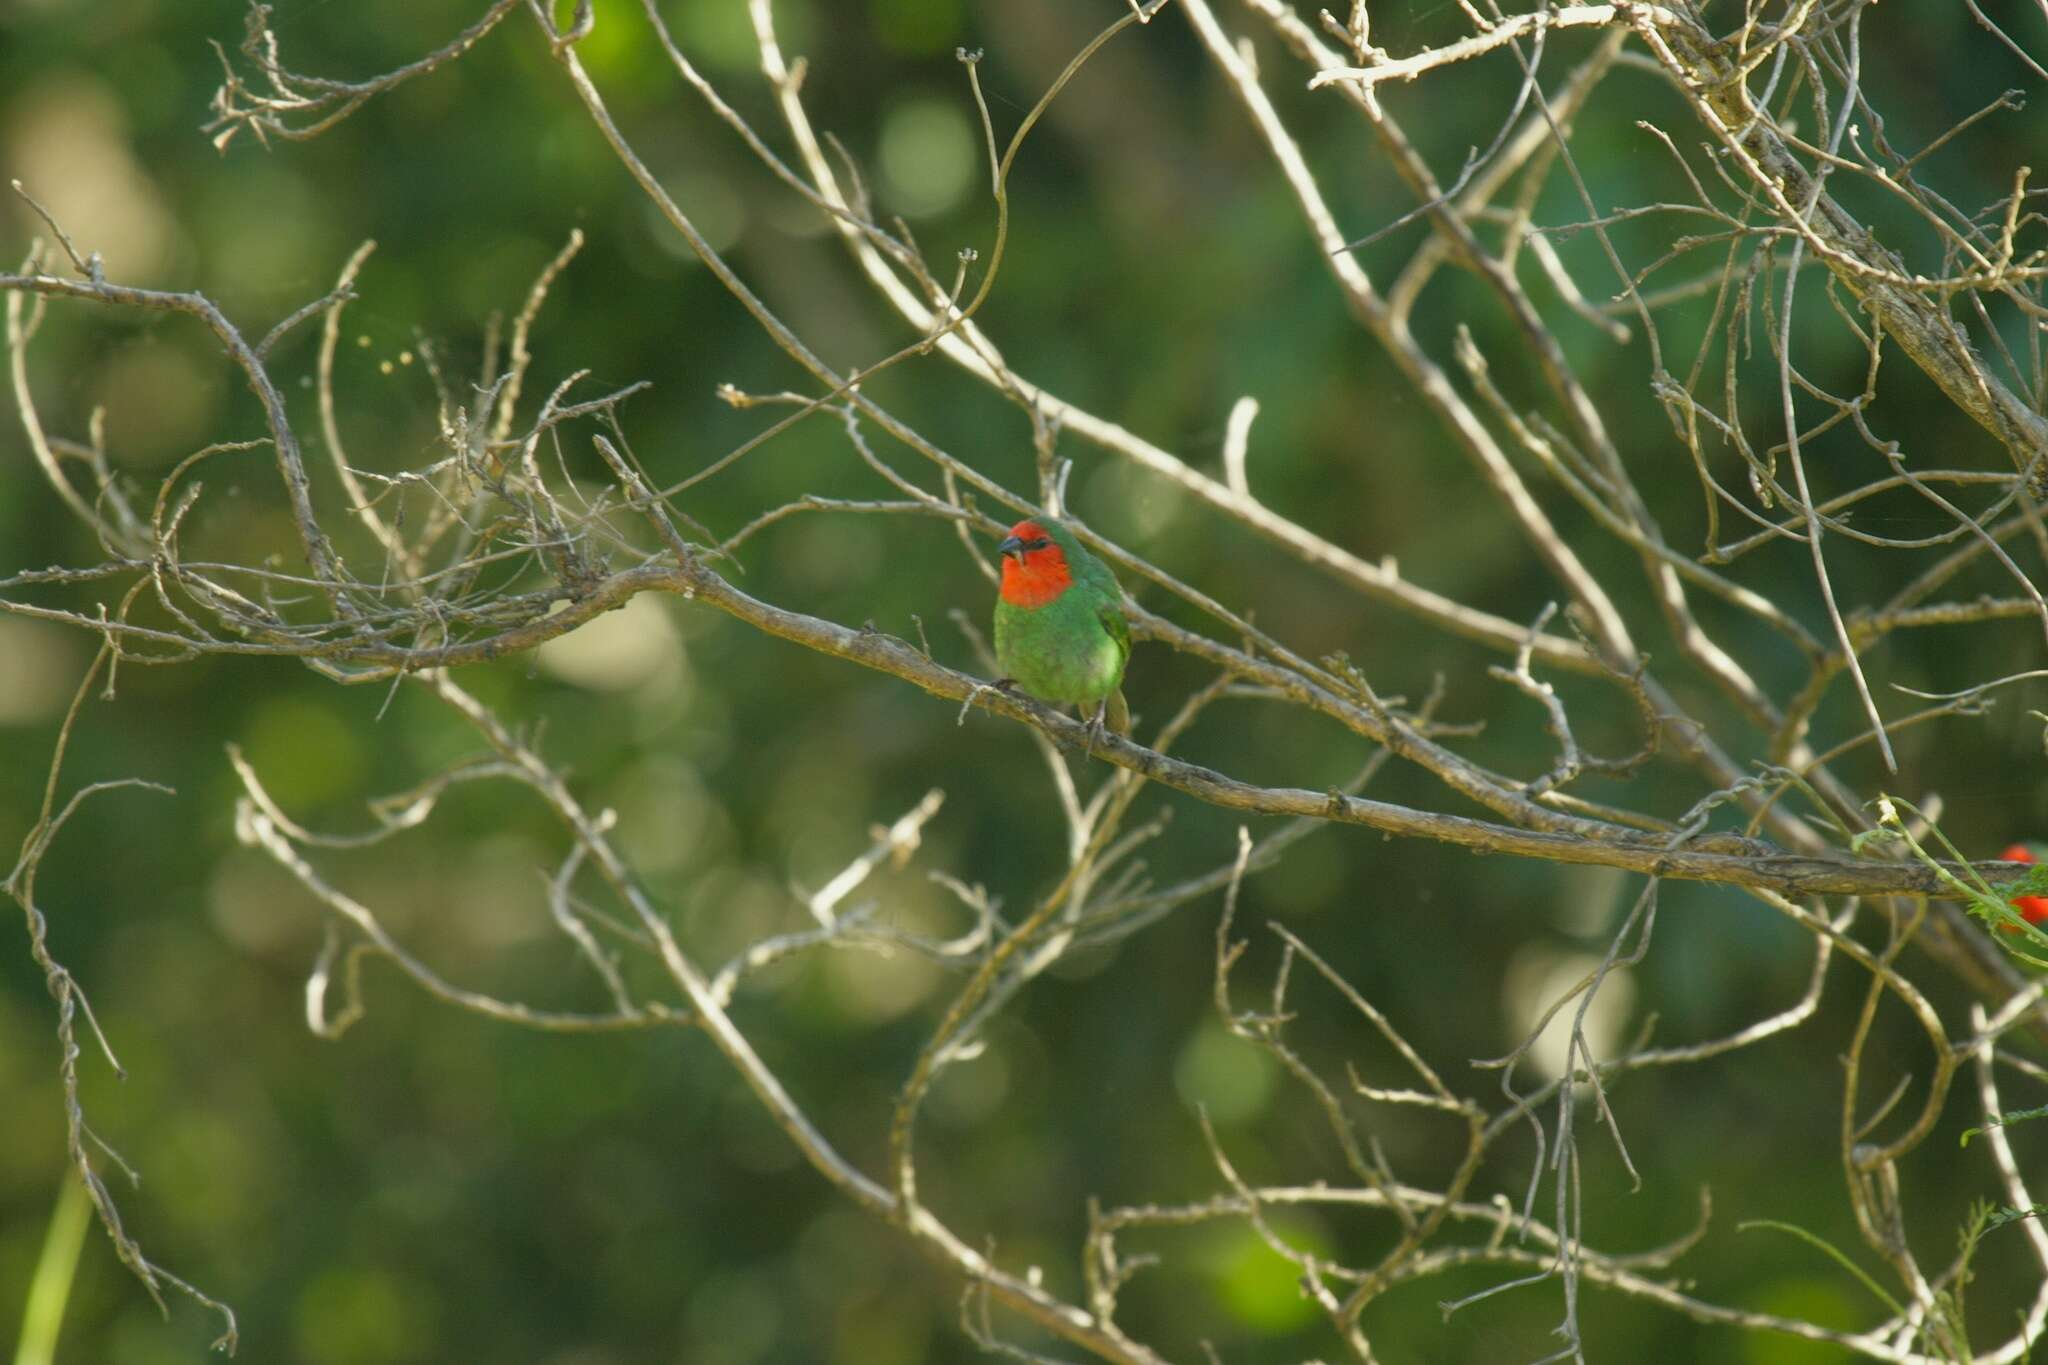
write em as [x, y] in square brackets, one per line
[1034, 566]
[2033, 909]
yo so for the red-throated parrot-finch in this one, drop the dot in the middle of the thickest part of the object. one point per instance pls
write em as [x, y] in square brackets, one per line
[1060, 628]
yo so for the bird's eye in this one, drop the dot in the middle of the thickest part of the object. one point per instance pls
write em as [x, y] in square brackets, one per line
[1038, 544]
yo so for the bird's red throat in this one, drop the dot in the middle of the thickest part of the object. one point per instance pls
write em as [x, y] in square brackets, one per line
[1035, 579]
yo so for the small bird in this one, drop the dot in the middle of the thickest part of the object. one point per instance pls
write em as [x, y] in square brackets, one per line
[1060, 628]
[2033, 909]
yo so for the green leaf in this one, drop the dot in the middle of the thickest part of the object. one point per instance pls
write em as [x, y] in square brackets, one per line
[2034, 883]
[2012, 1215]
[2002, 1120]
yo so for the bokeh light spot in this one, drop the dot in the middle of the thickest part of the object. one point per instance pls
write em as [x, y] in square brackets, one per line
[161, 401]
[1261, 1287]
[1227, 1076]
[66, 137]
[303, 752]
[928, 156]
[1536, 977]
[620, 651]
[39, 666]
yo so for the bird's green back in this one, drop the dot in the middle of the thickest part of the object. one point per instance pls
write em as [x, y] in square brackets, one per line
[1081, 561]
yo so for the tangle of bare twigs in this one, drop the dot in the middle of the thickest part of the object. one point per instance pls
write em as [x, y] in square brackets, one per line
[488, 548]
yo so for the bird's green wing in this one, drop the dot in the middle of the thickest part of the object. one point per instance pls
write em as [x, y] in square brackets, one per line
[1111, 612]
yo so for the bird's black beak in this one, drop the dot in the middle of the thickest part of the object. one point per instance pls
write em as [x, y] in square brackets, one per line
[1012, 546]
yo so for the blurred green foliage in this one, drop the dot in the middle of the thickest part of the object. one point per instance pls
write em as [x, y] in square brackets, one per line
[437, 1188]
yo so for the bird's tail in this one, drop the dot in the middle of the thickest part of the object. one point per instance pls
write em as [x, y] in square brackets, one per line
[1118, 717]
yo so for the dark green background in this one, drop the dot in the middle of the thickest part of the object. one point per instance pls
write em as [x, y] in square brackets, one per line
[438, 1188]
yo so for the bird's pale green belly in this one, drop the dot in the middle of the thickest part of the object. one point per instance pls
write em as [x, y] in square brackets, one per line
[1058, 652]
